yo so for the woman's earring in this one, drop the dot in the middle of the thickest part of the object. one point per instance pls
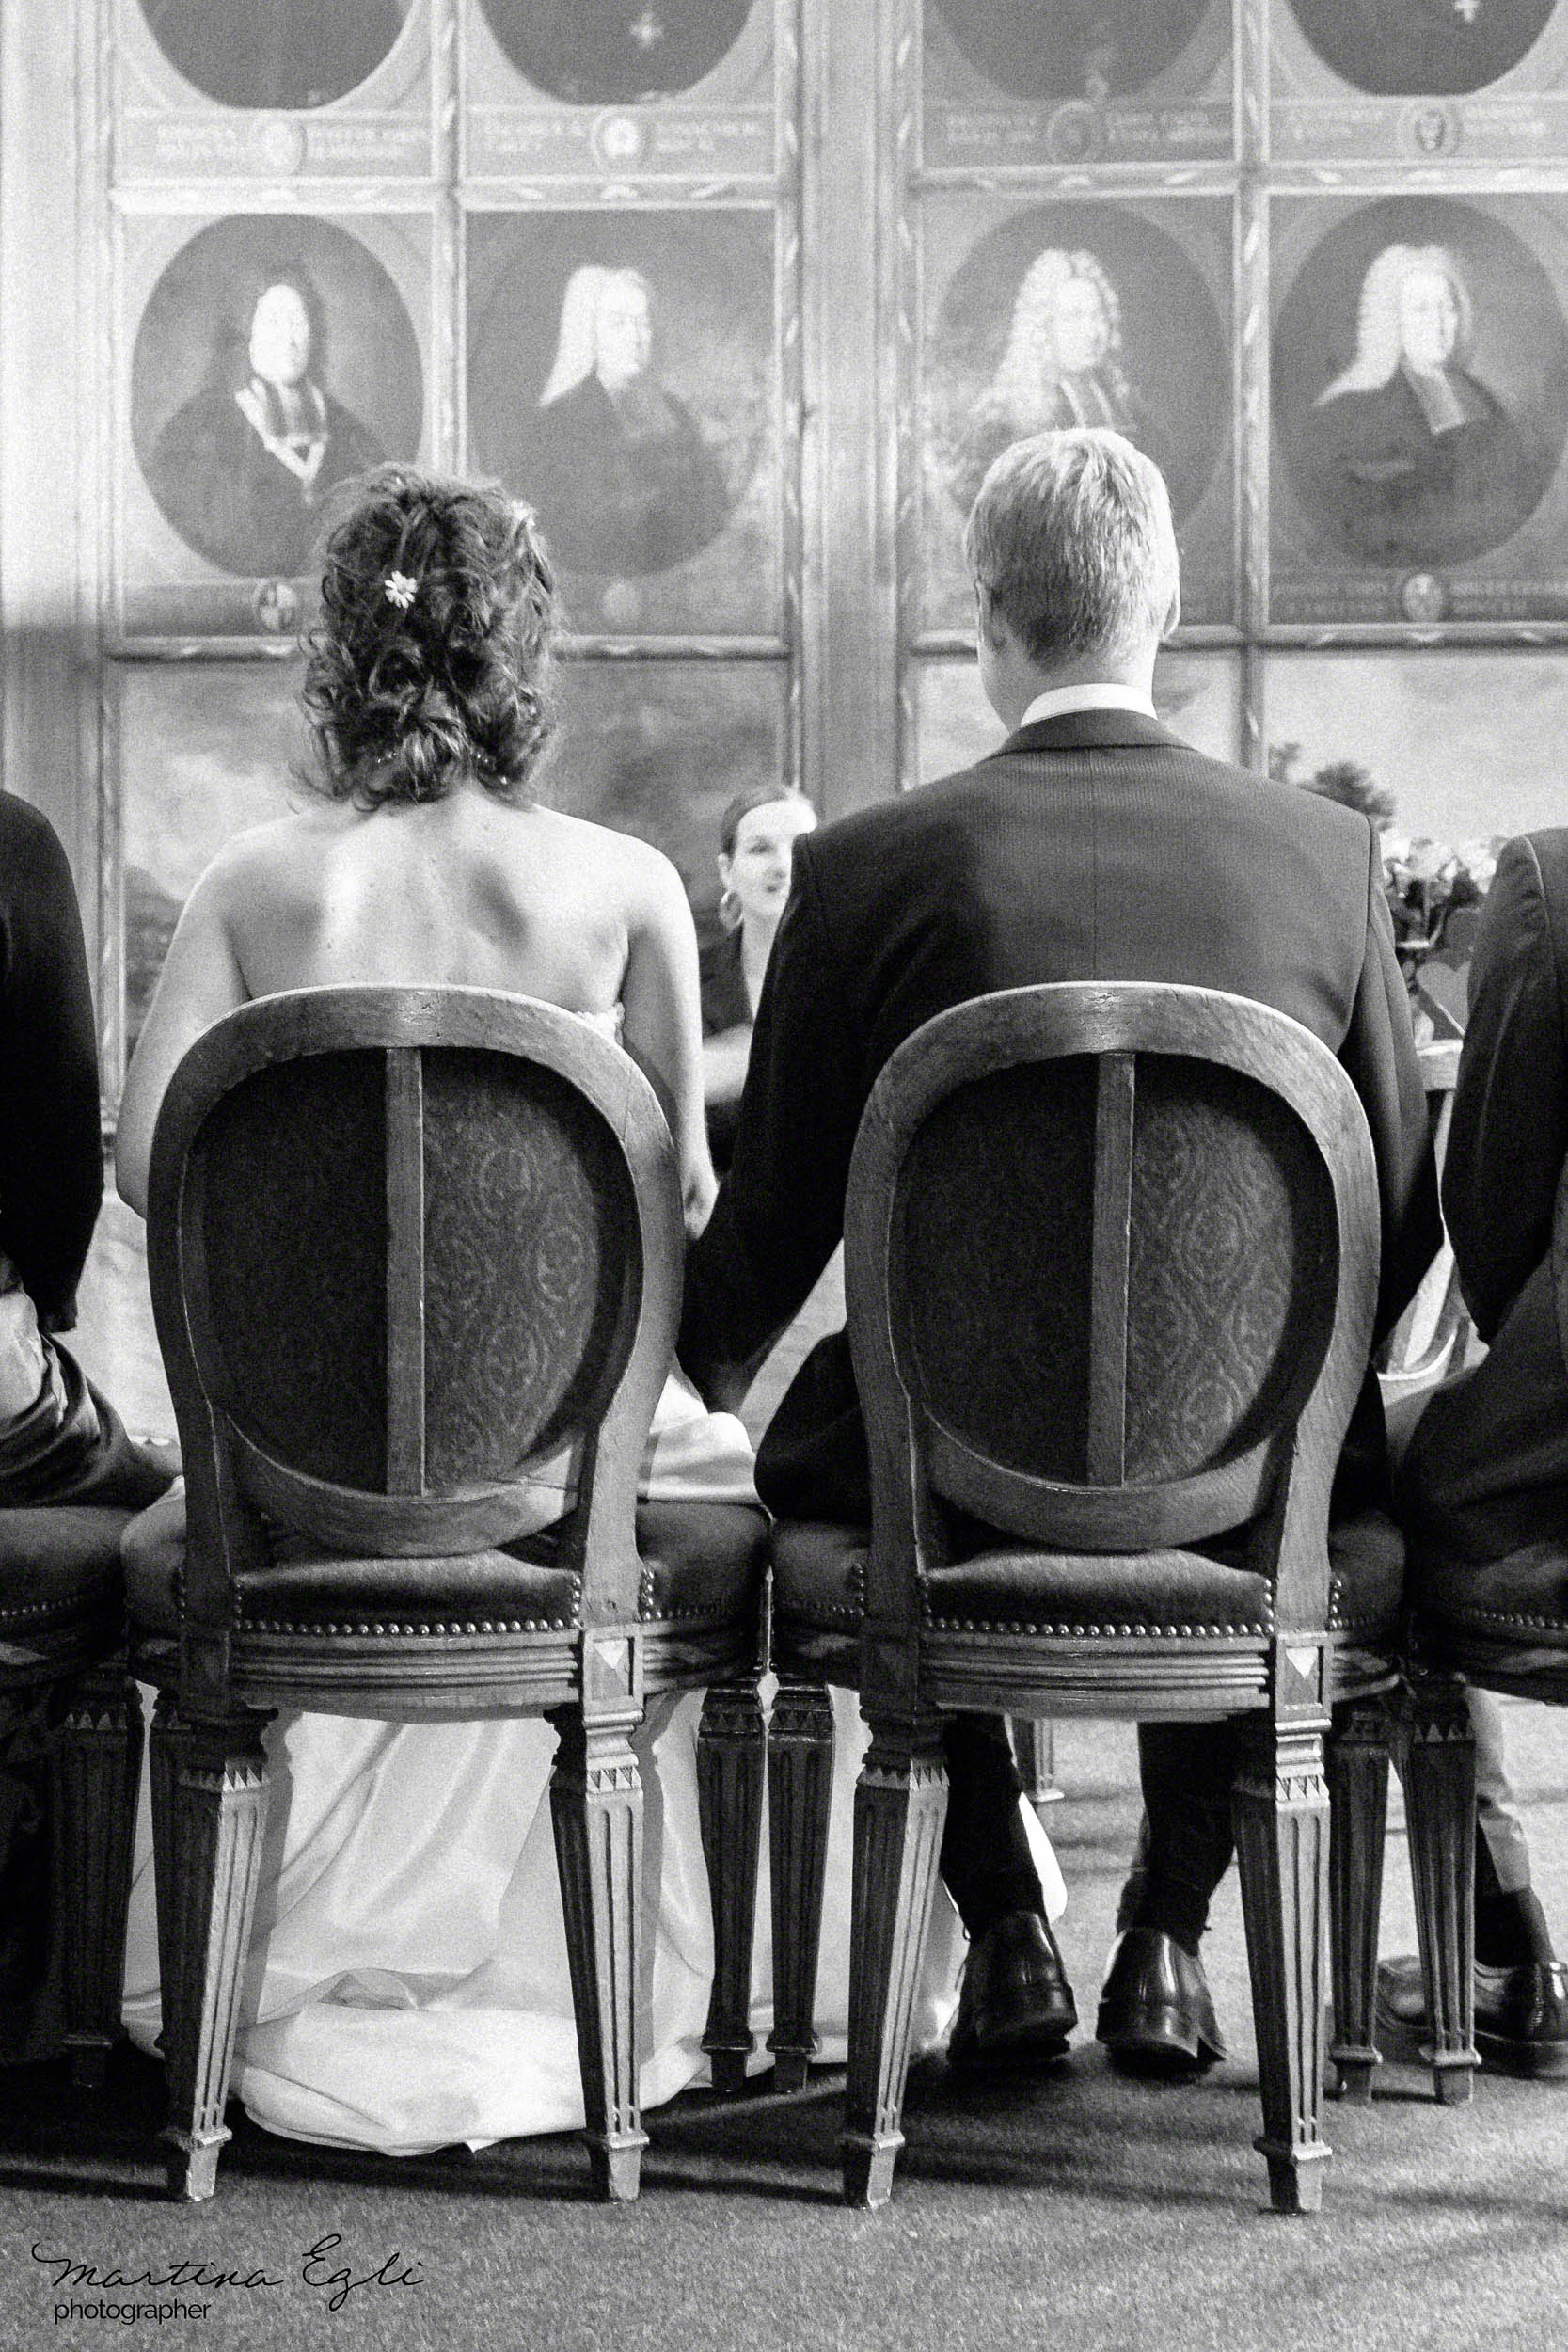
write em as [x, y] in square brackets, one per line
[729, 910]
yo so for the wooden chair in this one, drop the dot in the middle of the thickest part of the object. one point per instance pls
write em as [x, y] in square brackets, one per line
[405, 1246]
[1110, 1261]
[64, 1693]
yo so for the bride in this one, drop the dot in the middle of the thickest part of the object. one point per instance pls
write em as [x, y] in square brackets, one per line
[408, 1984]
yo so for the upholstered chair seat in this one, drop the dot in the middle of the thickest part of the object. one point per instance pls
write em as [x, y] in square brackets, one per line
[700, 1563]
[1512, 1612]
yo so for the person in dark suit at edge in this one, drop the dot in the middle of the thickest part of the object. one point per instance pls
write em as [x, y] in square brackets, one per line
[1485, 1477]
[1093, 845]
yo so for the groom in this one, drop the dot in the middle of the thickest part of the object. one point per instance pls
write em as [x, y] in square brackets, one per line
[1092, 844]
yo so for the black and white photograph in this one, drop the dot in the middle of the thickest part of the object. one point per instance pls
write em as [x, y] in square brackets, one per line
[631, 89]
[1056, 49]
[1421, 48]
[275, 359]
[1423, 80]
[275, 53]
[1070, 314]
[783, 1176]
[276, 91]
[1420, 395]
[621, 379]
[604, 53]
[1075, 81]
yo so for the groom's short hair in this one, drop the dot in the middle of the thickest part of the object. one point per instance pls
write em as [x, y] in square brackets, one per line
[1071, 535]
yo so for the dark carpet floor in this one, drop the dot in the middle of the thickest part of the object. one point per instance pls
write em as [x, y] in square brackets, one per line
[1082, 2213]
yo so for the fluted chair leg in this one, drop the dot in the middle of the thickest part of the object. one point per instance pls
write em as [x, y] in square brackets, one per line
[1357, 1758]
[1280, 1801]
[901, 1804]
[799, 1792]
[597, 1804]
[209, 1795]
[1439, 1752]
[1034, 1746]
[731, 1760]
[96, 1765]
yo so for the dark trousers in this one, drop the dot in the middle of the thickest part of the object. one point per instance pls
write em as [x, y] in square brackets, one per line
[986, 1864]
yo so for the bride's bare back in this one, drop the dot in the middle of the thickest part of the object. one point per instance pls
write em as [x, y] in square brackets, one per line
[467, 890]
[426, 862]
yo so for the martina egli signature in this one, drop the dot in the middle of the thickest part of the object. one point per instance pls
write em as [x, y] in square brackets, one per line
[323, 2269]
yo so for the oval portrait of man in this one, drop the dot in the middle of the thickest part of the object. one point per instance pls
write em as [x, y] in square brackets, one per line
[275, 52]
[609, 53]
[1079, 315]
[618, 378]
[1420, 383]
[1062, 48]
[273, 361]
[1421, 48]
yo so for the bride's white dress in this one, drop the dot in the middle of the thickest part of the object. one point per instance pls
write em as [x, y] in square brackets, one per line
[407, 1982]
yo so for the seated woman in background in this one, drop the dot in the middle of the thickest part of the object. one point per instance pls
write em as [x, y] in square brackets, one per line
[756, 841]
[413, 1987]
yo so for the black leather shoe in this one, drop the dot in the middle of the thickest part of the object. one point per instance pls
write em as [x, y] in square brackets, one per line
[1016, 2008]
[1521, 2014]
[1156, 2014]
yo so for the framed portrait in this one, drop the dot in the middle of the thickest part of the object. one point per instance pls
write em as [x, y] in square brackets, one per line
[1075, 81]
[202, 750]
[1419, 388]
[275, 89]
[1198, 694]
[1078, 311]
[586, 90]
[1423, 80]
[267, 358]
[659, 748]
[622, 377]
[1466, 739]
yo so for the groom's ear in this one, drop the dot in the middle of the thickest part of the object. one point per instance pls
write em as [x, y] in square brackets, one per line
[989, 621]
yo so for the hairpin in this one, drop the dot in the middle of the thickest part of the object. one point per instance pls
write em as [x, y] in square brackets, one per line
[400, 590]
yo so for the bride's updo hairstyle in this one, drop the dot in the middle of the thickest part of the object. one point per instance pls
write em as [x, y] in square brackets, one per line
[430, 661]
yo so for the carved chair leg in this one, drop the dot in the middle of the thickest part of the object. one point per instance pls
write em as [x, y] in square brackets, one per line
[731, 1756]
[1357, 1754]
[1439, 1754]
[799, 1792]
[596, 1803]
[901, 1804]
[1035, 1747]
[97, 1762]
[209, 1796]
[1280, 1801]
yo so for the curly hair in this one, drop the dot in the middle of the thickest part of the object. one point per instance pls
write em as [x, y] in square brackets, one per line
[430, 661]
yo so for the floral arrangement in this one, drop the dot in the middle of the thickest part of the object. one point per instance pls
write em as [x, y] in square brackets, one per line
[1427, 883]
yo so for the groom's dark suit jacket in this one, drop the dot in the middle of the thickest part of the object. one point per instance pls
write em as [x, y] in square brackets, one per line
[1093, 846]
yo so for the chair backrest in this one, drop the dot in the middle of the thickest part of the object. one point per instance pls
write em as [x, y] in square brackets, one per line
[407, 1244]
[1111, 1256]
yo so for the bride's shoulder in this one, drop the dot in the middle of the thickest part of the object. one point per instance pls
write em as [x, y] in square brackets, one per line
[610, 861]
[280, 842]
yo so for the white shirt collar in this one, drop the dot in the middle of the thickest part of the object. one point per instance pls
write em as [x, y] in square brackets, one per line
[1059, 700]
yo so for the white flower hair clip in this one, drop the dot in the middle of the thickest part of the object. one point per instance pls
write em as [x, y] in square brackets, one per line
[400, 590]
